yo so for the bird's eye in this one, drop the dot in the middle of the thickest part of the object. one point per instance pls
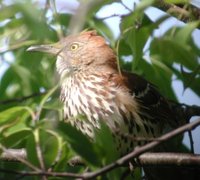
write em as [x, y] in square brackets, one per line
[74, 46]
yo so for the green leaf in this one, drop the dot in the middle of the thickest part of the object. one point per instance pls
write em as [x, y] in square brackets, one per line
[194, 85]
[102, 28]
[134, 19]
[31, 150]
[164, 83]
[158, 74]
[79, 143]
[64, 157]
[143, 5]
[64, 19]
[25, 77]
[104, 143]
[14, 23]
[50, 144]
[124, 48]
[7, 12]
[54, 104]
[183, 35]
[136, 36]
[6, 80]
[170, 51]
[15, 138]
[38, 27]
[189, 77]
[45, 98]
[10, 115]
[95, 6]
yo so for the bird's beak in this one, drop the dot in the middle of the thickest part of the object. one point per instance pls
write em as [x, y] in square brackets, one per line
[49, 48]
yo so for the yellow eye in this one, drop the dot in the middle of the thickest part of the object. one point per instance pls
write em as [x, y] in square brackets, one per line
[74, 46]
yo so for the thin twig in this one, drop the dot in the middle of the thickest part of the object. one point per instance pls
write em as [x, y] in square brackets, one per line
[146, 159]
[158, 158]
[111, 16]
[60, 33]
[191, 13]
[39, 152]
[47, 6]
[40, 173]
[21, 159]
[17, 45]
[142, 149]
[117, 56]
[47, 95]
[191, 141]
[21, 99]
[126, 7]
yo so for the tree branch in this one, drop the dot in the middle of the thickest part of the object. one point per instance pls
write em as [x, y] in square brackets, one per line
[177, 159]
[21, 99]
[138, 151]
[169, 159]
[9, 153]
[185, 13]
[13, 155]
[146, 159]
[36, 173]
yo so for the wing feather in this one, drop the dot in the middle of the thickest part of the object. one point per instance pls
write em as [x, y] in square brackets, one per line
[152, 104]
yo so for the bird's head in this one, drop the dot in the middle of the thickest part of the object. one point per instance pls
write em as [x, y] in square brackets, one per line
[79, 52]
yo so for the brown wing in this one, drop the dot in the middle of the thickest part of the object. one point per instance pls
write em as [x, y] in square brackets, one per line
[152, 104]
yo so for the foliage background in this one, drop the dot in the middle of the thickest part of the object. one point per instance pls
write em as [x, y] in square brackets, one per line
[29, 107]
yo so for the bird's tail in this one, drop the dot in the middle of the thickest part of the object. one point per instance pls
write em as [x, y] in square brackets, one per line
[183, 115]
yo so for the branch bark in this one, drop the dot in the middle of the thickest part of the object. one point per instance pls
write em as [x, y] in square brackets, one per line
[169, 159]
[177, 159]
[146, 159]
[183, 12]
[138, 151]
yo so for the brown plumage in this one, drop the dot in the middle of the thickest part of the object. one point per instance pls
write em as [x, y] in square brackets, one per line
[93, 87]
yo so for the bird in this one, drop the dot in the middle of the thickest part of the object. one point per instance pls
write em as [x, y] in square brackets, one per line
[92, 85]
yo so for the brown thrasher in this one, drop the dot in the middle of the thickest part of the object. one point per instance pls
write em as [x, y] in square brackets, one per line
[91, 85]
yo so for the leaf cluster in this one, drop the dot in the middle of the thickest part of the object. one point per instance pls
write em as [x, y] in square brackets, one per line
[36, 123]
